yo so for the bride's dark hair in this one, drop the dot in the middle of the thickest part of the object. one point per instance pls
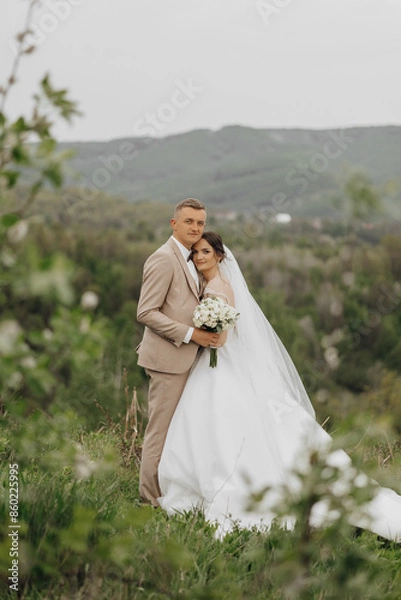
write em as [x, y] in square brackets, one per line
[214, 239]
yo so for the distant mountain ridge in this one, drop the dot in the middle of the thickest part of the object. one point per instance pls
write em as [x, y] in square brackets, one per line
[237, 168]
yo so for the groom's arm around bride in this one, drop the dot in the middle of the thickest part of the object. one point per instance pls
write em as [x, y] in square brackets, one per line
[169, 295]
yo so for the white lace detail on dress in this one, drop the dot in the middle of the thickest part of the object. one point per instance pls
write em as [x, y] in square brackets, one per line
[207, 292]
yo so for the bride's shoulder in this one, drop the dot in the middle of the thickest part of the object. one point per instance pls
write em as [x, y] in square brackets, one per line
[218, 283]
[220, 287]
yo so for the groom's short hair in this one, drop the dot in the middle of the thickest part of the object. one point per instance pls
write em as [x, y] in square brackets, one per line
[188, 203]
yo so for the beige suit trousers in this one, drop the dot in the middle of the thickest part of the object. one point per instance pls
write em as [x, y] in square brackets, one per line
[165, 390]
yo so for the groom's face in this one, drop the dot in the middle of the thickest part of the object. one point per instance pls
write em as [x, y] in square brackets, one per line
[189, 225]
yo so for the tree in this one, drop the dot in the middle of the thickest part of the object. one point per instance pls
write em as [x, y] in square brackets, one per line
[43, 334]
[364, 199]
[28, 149]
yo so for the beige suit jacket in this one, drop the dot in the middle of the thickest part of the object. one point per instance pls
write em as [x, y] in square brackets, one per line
[166, 303]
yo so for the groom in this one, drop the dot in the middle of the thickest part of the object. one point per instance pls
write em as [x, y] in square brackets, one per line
[169, 295]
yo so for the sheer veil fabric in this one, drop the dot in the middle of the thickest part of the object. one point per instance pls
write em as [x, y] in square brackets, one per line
[244, 426]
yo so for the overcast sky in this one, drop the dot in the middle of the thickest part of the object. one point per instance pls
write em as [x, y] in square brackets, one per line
[157, 67]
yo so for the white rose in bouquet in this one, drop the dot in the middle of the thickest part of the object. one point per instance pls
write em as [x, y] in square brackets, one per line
[213, 314]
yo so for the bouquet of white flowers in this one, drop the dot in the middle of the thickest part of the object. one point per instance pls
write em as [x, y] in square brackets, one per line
[213, 314]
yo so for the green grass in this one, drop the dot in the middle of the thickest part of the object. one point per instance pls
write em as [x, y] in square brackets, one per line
[85, 534]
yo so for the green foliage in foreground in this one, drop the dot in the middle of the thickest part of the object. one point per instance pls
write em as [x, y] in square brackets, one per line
[82, 530]
[84, 534]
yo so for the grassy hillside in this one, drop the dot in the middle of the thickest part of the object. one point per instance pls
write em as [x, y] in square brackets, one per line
[240, 168]
[84, 533]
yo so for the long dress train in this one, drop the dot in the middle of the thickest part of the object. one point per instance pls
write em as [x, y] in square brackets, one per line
[244, 426]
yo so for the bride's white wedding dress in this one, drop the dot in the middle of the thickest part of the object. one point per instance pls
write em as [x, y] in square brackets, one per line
[245, 426]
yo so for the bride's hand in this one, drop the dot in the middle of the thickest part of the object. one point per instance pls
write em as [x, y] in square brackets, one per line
[206, 338]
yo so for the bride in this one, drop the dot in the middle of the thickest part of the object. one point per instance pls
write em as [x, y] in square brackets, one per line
[246, 425]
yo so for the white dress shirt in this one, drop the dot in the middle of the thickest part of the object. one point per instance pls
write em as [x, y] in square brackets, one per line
[185, 253]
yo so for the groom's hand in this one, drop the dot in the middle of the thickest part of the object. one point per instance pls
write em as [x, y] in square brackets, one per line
[206, 338]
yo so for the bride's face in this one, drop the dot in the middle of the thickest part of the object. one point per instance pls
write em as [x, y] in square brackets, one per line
[205, 258]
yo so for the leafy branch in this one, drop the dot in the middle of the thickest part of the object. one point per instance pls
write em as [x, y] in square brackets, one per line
[20, 37]
[28, 149]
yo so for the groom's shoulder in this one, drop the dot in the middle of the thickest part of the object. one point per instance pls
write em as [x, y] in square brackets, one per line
[168, 247]
[167, 250]
[163, 254]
